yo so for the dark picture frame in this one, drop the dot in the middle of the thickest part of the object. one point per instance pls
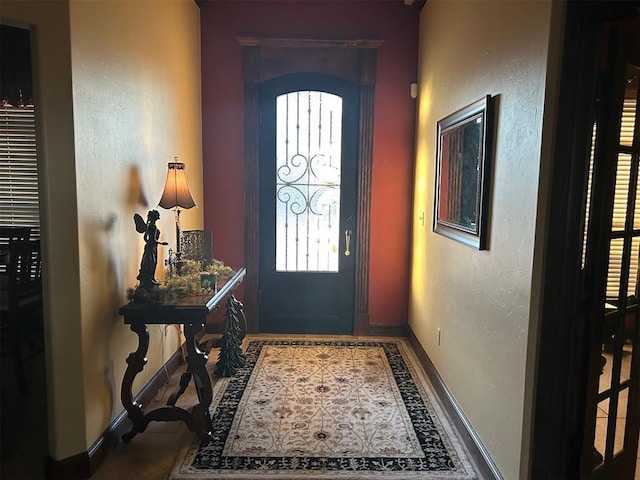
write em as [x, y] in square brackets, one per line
[462, 174]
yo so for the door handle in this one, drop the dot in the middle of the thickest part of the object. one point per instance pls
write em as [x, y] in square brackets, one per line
[347, 242]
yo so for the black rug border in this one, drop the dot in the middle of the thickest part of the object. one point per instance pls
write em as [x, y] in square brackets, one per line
[438, 455]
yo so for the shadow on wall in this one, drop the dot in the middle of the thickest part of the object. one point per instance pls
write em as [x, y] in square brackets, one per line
[136, 195]
[107, 277]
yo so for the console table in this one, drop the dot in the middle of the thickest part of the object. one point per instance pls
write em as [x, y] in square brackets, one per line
[191, 312]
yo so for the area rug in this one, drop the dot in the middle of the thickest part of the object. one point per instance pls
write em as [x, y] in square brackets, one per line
[321, 408]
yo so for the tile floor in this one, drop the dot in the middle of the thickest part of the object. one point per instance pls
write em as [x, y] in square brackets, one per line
[148, 456]
[603, 406]
[151, 454]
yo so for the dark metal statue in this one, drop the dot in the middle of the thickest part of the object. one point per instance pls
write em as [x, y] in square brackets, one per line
[147, 272]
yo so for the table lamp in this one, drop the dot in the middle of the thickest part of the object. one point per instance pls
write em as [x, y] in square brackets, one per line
[176, 195]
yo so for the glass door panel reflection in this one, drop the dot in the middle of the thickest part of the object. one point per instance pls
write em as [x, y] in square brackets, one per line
[308, 159]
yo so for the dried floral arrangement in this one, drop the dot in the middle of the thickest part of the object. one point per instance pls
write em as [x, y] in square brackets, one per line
[175, 286]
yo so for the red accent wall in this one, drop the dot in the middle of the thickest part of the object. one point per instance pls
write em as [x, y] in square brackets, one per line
[394, 126]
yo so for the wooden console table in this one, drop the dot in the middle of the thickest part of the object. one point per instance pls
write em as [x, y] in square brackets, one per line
[191, 312]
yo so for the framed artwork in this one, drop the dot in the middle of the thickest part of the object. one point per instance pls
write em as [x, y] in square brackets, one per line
[462, 174]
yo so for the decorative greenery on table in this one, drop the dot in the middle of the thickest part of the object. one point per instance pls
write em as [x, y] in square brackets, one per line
[175, 286]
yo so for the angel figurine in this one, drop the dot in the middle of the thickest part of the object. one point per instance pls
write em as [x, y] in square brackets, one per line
[150, 255]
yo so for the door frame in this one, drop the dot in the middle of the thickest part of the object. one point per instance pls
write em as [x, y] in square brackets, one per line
[566, 324]
[354, 60]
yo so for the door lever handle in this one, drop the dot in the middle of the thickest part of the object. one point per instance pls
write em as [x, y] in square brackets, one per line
[347, 242]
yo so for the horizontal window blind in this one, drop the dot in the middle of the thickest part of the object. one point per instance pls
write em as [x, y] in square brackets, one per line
[594, 131]
[19, 169]
[621, 201]
[618, 225]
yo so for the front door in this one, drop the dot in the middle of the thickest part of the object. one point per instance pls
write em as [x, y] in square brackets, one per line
[308, 149]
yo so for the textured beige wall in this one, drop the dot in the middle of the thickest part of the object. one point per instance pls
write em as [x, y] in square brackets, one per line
[118, 95]
[481, 300]
[136, 84]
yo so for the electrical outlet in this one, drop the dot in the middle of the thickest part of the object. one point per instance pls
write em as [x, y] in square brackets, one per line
[439, 335]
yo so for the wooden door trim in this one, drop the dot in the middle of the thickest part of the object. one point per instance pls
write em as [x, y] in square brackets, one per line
[558, 408]
[354, 60]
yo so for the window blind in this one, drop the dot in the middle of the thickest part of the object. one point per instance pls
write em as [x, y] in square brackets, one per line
[594, 131]
[622, 190]
[620, 203]
[19, 169]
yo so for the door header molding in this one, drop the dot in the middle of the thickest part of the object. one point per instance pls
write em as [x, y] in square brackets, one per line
[267, 58]
[307, 43]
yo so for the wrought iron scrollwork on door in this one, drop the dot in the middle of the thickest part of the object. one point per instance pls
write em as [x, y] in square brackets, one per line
[307, 186]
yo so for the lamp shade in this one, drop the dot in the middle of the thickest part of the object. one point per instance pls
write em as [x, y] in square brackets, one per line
[176, 189]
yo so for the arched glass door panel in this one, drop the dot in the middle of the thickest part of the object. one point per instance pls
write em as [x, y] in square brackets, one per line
[307, 181]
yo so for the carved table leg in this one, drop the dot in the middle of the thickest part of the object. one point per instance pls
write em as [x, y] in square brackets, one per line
[135, 363]
[197, 367]
[184, 382]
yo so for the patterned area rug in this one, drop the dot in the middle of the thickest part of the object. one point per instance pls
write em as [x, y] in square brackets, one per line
[326, 408]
